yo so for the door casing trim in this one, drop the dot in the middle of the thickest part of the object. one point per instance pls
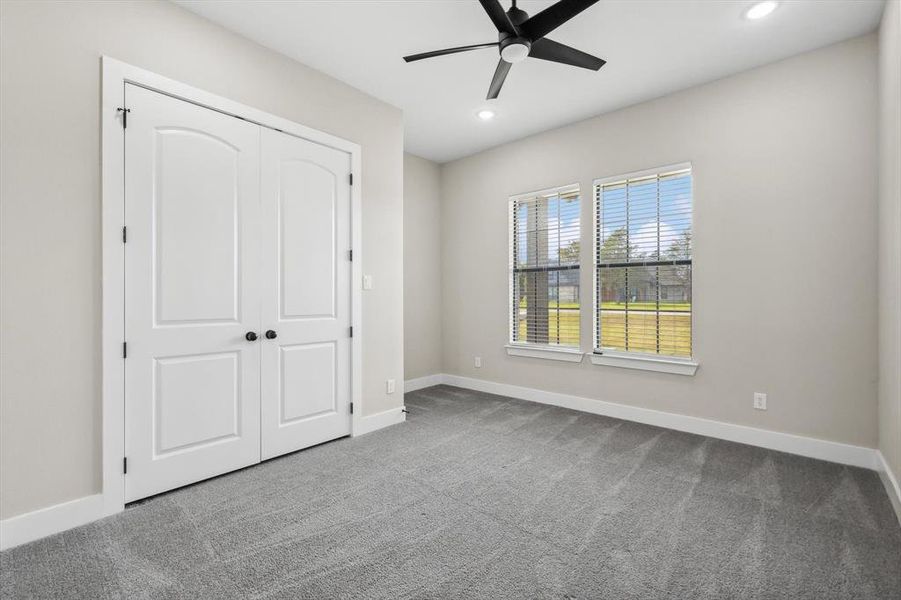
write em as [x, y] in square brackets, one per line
[115, 74]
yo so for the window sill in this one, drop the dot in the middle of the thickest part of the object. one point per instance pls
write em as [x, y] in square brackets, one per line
[676, 366]
[561, 354]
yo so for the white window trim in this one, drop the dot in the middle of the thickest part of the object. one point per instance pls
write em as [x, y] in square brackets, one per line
[645, 173]
[649, 362]
[637, 360]
[572, 355]
[548, 192]
[530, 350]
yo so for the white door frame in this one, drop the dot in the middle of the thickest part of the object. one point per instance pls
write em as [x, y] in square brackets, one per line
[115, 75]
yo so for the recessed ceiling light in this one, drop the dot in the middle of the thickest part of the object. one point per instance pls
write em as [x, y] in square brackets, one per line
[485, 114]
[761, 9]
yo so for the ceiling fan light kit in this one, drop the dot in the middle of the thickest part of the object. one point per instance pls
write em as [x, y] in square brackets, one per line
[514, 50]
[521, 36]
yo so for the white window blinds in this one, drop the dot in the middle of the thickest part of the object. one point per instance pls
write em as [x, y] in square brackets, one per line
[544, 267]
[643, 254]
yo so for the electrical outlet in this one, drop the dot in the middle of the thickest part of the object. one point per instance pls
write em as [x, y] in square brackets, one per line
[389, 386]
[759, 400]
[478, 362]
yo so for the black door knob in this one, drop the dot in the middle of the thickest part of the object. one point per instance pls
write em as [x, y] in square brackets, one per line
[271, 335]
[251, 336]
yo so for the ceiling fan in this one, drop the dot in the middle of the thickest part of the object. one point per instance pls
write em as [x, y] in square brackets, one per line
[519, 36]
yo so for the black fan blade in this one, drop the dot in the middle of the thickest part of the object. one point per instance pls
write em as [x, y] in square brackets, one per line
[553, 17]
[500, 74]
[546, 49]
[498, 16]
[433, 53]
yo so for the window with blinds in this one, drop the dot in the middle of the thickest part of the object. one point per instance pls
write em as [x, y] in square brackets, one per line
[544, 268]
[643, 258]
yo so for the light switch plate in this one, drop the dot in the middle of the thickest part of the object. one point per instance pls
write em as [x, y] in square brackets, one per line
[367, 282]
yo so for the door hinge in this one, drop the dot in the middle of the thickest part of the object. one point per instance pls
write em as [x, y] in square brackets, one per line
[124, 112]
[124, 465]
[351, 332]
[124, 349]
[351, 178]
[124, 234]
[351, 408]
[350, 255]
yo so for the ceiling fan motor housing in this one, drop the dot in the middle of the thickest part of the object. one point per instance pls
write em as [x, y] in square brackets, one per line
[514, 48]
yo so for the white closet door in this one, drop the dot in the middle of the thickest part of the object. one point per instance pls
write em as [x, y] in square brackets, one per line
[306, 275]
[192, 388]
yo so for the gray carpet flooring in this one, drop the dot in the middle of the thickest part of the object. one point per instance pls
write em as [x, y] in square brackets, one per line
[481, 496]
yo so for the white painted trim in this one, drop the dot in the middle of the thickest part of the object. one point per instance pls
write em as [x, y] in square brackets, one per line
[837, 452]
[645, 363]
[547, 192]
[356, 285]
[411, 385]
[561, 354]
[664, 170]
[22, 529]
[596, 224]
[115, 75]
[890, 481]
[112, 170]
[511, 201]
[386, 418]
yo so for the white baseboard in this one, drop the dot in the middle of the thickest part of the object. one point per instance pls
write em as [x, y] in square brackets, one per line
[890, 481]
[837, 452]
[411, 385]
[47, 521]
[54, 519]
[377, 421]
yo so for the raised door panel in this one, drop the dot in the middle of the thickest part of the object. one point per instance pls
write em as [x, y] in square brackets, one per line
[307, 236]
[197, 401]
[308, 386]
[196, 220]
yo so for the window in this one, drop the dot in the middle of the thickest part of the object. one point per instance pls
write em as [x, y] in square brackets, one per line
[643, 256]
[544, 268]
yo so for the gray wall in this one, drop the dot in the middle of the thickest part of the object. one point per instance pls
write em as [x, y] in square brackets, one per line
[785, 175]
[50, 272]
[422, 268]
[890, 237]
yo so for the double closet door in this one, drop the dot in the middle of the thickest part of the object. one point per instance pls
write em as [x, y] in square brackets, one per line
[237, 293]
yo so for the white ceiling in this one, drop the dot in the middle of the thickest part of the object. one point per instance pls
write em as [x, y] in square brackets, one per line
[653, 47]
